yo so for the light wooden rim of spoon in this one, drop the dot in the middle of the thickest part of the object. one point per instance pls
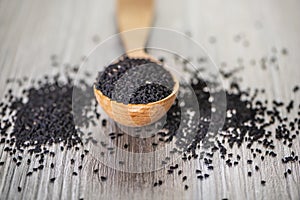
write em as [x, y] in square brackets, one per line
[136, 115]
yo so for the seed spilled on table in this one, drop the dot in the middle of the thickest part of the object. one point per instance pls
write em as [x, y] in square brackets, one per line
[42, 117]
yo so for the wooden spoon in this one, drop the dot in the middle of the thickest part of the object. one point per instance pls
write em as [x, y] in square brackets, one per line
[132, 14]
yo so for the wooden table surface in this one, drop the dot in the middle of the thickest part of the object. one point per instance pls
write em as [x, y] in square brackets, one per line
[33, 30]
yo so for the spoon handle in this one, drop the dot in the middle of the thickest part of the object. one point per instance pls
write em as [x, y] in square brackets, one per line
[133, 14]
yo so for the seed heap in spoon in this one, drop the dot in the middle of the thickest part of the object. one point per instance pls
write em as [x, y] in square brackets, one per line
[135, 81]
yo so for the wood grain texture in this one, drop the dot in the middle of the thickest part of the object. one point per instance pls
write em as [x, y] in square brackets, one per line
[32, 30]
[133, 14]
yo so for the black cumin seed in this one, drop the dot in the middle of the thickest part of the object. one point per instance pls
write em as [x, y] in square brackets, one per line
[52, 179]
[104, 122]
[296, 89]
[29, 174]
[186, 187]
[210, 167]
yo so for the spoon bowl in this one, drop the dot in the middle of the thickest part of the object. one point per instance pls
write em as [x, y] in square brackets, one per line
[136, 115]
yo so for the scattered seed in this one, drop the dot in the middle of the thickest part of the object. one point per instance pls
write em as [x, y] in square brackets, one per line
[52, 179]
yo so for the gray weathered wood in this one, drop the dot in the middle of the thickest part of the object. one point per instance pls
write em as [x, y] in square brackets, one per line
[31, 31]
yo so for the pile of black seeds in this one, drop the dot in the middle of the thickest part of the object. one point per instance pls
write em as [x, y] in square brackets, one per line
[43, 116]
[249, 122]
[135, 81]
[40, 119]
